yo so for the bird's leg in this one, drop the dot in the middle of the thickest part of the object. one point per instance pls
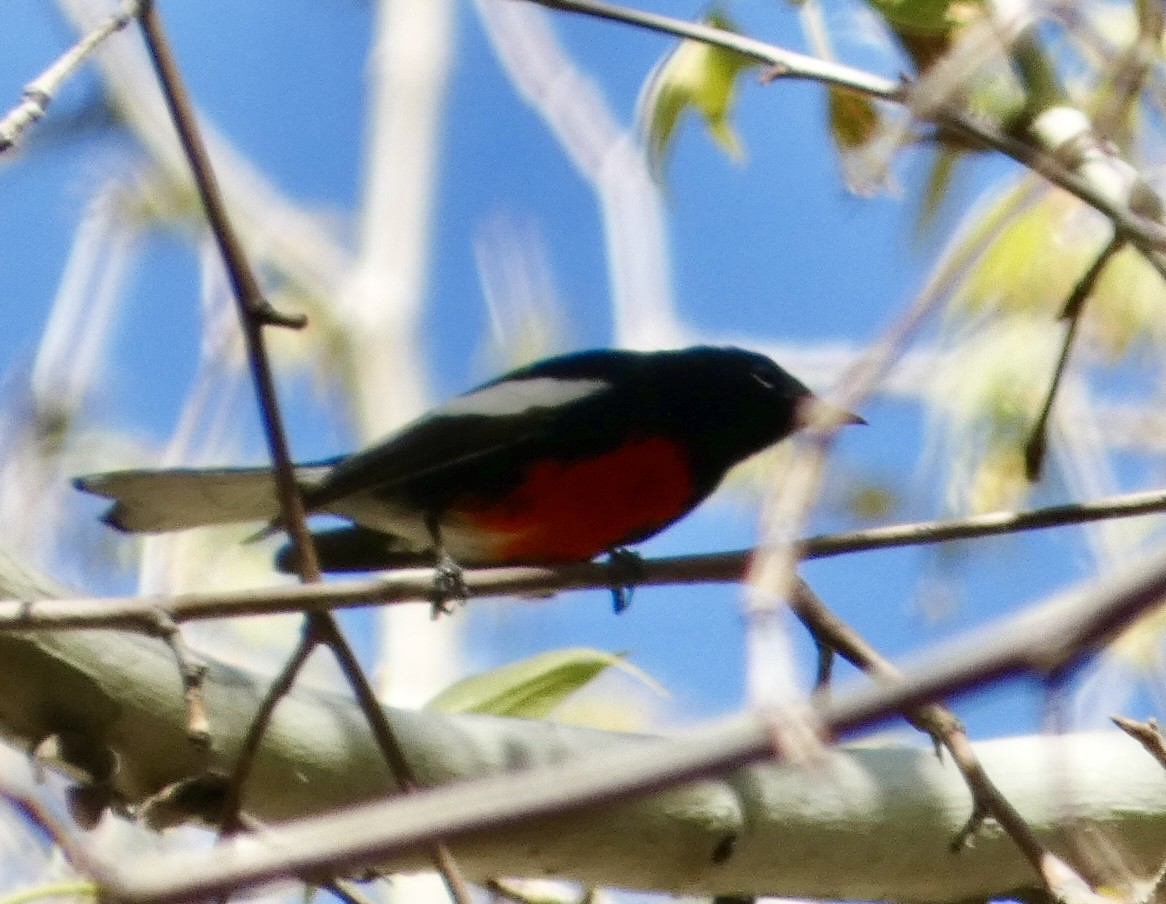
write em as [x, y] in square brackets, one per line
[626, 569]
[449, 583]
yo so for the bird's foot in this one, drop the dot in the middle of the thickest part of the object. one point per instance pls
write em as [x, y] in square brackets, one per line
[449, 585]
[626, 570]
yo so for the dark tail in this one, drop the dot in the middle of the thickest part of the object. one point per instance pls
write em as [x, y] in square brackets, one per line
[356, 549]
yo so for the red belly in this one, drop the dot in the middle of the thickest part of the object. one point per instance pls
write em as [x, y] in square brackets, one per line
[573, 511]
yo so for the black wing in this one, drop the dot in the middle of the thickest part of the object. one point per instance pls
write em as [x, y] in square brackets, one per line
[499, 417]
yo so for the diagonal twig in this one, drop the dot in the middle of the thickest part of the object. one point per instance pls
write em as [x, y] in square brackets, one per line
[39, 93]
[1149, 735]
[1148, 235]
[937, 720]
[1034, 449]
[255, 313]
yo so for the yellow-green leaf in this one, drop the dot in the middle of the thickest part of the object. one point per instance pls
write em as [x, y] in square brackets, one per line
[693, 76]
[1035, 259]
[986, 400]
[854, 119]
[67, 888]
[532, 687]
[939, 179]
[925, 17]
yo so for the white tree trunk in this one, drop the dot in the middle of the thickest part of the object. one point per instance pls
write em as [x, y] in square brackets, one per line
[868, 823]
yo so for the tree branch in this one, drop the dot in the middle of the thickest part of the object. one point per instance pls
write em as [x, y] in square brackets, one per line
[39, 93]
[139, 613]
[786, 63]
[1148, 235]
[1050, 637]
[944, 727]
[120, 691]
[1034, 450]
[254, 314]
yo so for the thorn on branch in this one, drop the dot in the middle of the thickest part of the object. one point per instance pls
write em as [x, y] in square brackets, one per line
[266, 314]
[965, 837]
[938, 721]
[1147, 733]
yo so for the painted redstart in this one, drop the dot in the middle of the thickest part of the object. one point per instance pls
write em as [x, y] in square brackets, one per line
[558, 461]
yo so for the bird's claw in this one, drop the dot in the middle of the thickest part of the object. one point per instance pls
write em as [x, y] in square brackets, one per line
[449, 585]
[626, 570]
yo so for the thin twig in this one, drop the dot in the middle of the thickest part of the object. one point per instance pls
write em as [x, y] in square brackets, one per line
[937, 720]
[254, 314]
[254, 310]
[39, 93]
[138, 613]
[278, 689]
[1146, 234]
[1147, 733]
[1034, 450]
[38, 812]
[192, 669]
[787, 63]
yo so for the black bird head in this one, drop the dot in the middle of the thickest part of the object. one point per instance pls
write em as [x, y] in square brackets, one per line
[737, 403]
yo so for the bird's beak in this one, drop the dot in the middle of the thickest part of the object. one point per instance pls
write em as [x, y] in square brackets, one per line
[811, 411]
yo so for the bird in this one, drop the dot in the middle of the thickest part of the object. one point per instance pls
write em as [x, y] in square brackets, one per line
[562, 460]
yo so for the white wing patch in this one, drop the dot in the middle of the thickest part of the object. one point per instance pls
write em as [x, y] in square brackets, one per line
[519, 396]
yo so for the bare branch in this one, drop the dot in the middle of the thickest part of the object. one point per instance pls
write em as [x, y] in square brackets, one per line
[785, 63]
[229, 819]
[1034, 450]
[139, 613]
[1147, 733]
[254, 314]
[39, 93]
[1146, 234]
[938, 721]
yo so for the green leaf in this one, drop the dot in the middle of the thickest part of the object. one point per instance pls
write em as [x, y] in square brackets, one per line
[986, 401]
[926, 29]
[532, 687]
[55, 891]
[1031, 262]
[939, 179]
[854, 119]
[924, 17]
[696, 76]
